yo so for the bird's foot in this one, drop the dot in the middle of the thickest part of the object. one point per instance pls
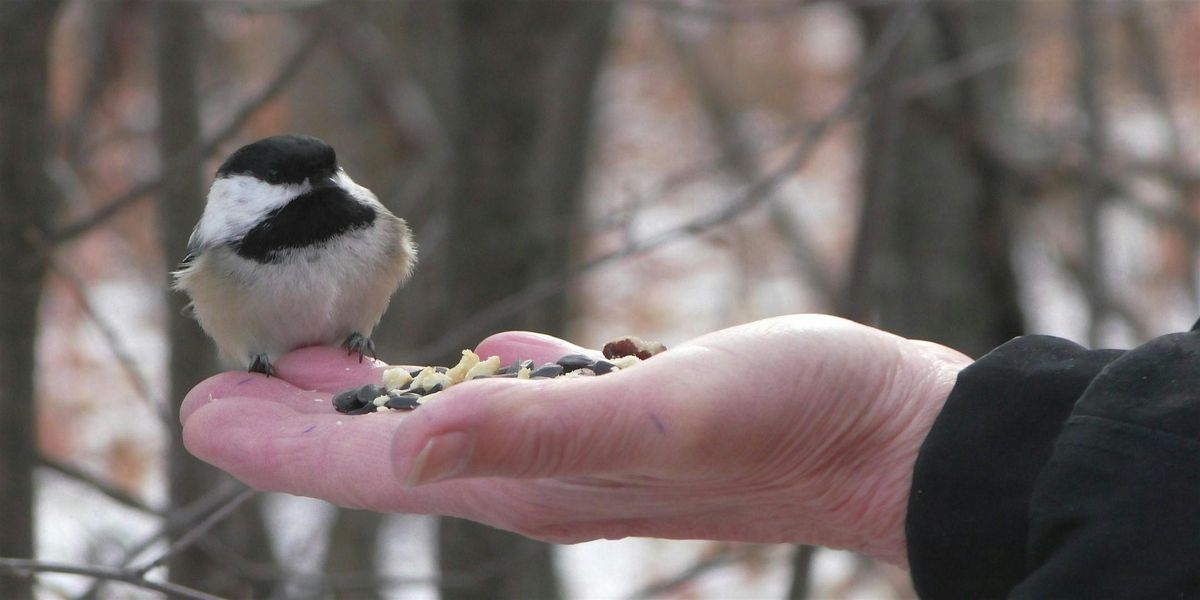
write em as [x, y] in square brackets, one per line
[261, 363]
[361, 344]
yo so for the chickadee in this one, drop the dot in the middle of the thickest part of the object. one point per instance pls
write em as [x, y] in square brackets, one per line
[291, 252]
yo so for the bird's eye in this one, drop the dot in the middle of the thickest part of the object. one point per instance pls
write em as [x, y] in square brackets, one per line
[273, 174]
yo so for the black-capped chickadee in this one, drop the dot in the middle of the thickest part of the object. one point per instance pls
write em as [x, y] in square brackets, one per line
[290, 252]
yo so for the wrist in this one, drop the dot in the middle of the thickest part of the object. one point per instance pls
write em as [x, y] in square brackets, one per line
[917, 407]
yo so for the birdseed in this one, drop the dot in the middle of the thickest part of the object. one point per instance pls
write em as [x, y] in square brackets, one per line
[405, 390]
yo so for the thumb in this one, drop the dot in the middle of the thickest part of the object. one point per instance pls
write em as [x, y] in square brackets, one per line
[540, 428]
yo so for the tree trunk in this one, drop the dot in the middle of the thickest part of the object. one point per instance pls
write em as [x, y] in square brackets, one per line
[27, 202]
[352, 548]
[180, 38]
[513, 83]
[933, 257]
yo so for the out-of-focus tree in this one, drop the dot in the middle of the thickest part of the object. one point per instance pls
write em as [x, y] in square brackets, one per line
[512, 84]
[932, 259]
[932, 256]
[27, 204]
[180, 45]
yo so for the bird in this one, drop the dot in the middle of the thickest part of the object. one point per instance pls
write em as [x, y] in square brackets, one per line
[291, 252]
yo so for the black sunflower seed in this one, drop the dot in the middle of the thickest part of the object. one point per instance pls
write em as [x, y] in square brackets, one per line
[547, 370]
[364, 409]
[602, 366]
[404, 402]
[572, 362]
[347, 401]
[368, 393]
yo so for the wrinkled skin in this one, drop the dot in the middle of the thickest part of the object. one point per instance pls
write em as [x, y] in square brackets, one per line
[799, 429]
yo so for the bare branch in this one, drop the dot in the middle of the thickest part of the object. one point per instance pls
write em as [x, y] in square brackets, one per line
[802, 559]
[722, 10]
[1093, 192]
[692, 572]
[1132, 317]
[740, 159]
[26, 566]
[364, 580]
[108, 331]
[898, 27]
[101, 57]
[179, 519]
[188, 159]
[193, 533]
[1148, 68]
[261, 6]
[113, 492]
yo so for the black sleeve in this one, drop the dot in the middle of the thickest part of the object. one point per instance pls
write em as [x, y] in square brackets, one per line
[1116, 511]
[1054, 471]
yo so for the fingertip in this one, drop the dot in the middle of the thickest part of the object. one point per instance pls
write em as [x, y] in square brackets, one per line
[328, 369]
[522, 345]
[217, 386]
[241, 435]
[211, 428]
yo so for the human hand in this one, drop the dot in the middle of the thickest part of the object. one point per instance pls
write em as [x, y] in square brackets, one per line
[798, 429]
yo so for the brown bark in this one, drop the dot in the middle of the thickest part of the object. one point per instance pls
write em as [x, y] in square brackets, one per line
[512, 83]
[933, 255]
[27, 201]
[180, 38]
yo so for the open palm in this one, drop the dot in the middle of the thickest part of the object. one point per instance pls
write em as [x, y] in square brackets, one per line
[796, 429]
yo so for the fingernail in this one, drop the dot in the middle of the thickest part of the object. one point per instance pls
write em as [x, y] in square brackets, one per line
[443, 457]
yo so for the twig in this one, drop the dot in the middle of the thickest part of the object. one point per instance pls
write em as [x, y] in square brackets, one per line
[113, 492]
[880, 56]
[968, 66]
[107, 331]
[349, 582]
[1093, 185]
[1149, 71]
[176, 520]
[740, 159]
[202, 151]
[802, 558]
[734, 11]
[689, 574]
[21, 565]
[1132, 317]
[260, 6]
[101, 59]
[190, 536]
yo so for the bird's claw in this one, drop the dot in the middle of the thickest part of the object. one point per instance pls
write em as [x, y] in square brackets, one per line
[360, 344]
[261, 363]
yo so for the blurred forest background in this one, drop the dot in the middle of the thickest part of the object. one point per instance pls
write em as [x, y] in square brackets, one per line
[956, 170]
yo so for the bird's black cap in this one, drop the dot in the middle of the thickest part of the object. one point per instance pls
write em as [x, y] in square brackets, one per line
[282, 159]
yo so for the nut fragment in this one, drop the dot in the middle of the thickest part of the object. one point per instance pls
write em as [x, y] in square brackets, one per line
[396, 378]
[429, 378]
[624, 362]
[487, 367]
[632, 346]
[405, 390]
[458, 373]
